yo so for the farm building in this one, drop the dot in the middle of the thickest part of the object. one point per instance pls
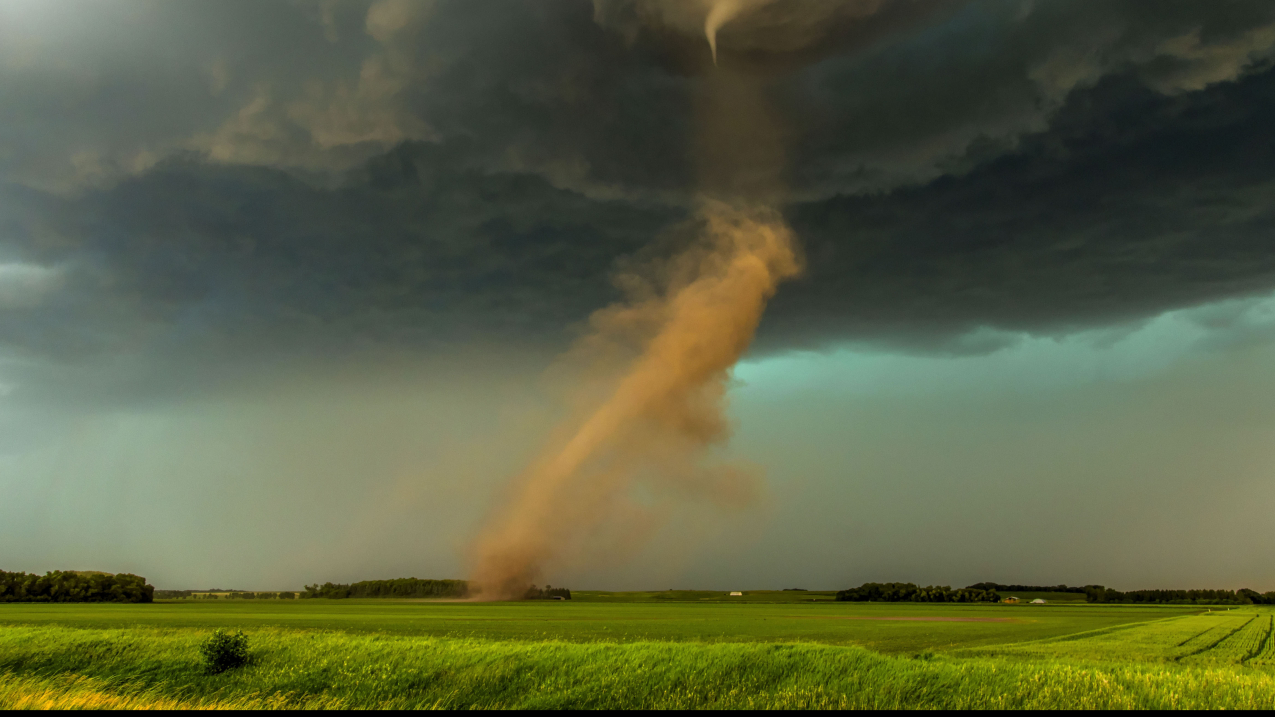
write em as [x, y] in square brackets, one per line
[1010, 600]
[1038, 601]
[736, 594]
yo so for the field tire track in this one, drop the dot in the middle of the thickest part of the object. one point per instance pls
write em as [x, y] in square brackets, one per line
[1265, 645]
[1215, 643]
[1205, 630]
[1085, 634]
[1198, 634]
[1082, 635]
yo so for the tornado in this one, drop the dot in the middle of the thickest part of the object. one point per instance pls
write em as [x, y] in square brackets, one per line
[665, 410]
[689, 322]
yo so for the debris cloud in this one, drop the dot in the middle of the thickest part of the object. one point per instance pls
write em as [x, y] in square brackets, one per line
[663, 413]
[669, 350]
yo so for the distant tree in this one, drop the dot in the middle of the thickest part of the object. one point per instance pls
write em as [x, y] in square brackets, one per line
[1177, 597]
[401, 588]
[69, 586]
[548, 593]
[1100, 594]
[1027, 588]
[908, 592]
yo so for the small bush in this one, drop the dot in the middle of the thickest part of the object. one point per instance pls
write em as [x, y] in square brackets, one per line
[224, 651]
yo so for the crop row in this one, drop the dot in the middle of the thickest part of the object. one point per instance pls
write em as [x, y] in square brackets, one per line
[1228, 638]
[1242, 644]
[1266, 657]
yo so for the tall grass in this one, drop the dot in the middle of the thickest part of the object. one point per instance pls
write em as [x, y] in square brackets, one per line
[137, 668]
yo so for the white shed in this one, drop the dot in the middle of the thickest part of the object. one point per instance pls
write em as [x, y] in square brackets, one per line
[736, 594]
[1038, 601]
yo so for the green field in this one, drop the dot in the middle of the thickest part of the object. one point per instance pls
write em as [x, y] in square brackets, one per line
[650, 650]
[827, 623]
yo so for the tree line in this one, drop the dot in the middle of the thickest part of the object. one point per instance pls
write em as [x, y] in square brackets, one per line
[1031, 588]
[548, 592]
[1100, 594]
[907, 592]
[400, 588]
[74, 586]
[415, 588]
[221, 595]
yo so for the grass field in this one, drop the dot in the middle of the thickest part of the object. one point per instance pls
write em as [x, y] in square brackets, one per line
[650, 652]
[661, 596]
[862, 624]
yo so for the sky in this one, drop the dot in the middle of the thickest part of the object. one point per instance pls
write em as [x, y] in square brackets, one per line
[286, 286]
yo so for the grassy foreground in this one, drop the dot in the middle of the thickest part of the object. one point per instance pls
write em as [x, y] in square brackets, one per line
[651, 653]
[58, 667]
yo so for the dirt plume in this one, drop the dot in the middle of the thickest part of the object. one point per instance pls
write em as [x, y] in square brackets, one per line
[665, 410]
[652, 405]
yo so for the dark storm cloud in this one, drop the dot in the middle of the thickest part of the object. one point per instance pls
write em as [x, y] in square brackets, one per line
[1132, 203]
[413, 250]
[954, 94]
[90, 90]
[876, 94]
[335, 176]
[542, 87]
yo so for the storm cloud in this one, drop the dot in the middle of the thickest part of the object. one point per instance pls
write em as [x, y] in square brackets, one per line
[445, 172]
[252, 219]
